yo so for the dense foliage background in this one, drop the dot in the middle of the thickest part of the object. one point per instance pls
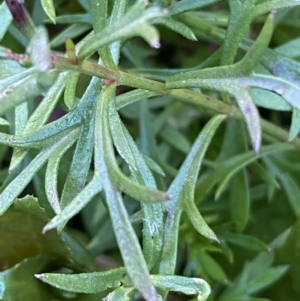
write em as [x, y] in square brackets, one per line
[150, 150]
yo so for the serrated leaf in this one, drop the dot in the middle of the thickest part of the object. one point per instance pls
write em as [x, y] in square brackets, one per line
[188, 286]
[88, 283]
[23, 222]
[49, 9]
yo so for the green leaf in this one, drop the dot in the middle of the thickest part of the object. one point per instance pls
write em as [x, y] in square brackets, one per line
[175, 138]
[49, 9]
[88, 283]
[269, 100]
[266, 278]
[212, 267]
[246, 241]
[295, 126]
[182, 188]
[255, 276]
[231, 166]
[81, 162]
[71, 84]
[133, 23]
[177, 27]
[187, 286]
[18, 283]
[6, 18]
[288, 253]
[41, 115]
[72, 32]
[121, 294]
[128, 243]
[186, 5]
[79, 202]
[23, 222]
[20, 182]
[52, 174]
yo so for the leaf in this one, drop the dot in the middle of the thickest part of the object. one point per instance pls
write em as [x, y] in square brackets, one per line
[81, 162]
[175, 138]
[295, 126]
[87, 283]
[269, 100]
[52, 174]
[187, 286]
[267, 278]
[255, 276]
[182, 188]
[20, 182]
[41, 115]
[288, 252]
[73, 31]
[212, 267]
[71, 83]
[23, 222]
[187, 5]
[231, 166]
[246, 241]
[18, 283]
[134, 22]
[49, 9]
[120, 294]
[128, 243]
[79, 202]
[176, 27]
[6, 18]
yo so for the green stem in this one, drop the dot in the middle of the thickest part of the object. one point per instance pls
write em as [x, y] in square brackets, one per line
[188, 96]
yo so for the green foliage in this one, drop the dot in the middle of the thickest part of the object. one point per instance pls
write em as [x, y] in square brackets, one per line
[152, 138]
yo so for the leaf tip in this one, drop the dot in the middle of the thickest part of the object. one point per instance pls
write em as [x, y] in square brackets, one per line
[155, 44]
[39, 276]
[170, 197]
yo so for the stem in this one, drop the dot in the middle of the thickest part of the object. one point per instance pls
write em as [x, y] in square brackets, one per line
[188, 96]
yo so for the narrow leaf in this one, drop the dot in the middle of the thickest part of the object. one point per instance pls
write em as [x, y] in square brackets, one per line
[295, 126]
[188, 286]
[20, 182]
[87, 283]
[49, 9]
[6, 18]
